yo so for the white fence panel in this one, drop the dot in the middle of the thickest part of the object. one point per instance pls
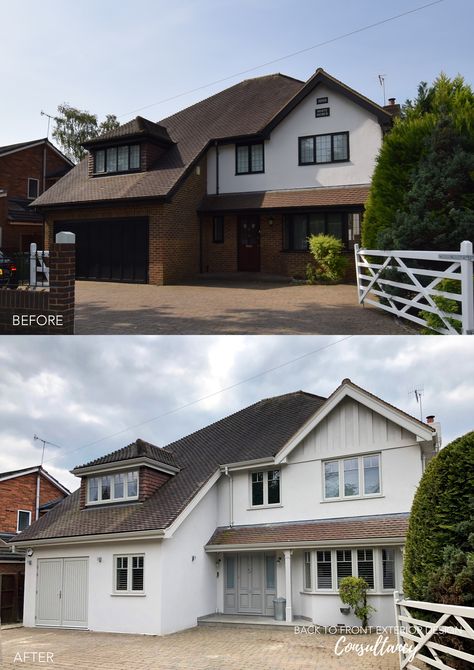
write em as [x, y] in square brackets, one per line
[372, 281]
[415, 635]
[38, 267]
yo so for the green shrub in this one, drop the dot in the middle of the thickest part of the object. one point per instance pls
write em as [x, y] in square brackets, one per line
[353, 592]
[327, 251]
[446, 305]
[441, 517]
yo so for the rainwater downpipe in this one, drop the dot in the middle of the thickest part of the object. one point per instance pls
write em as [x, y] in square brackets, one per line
[217, 167]
[231, 504]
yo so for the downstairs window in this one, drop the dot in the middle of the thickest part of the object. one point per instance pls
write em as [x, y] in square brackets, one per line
[129, 574]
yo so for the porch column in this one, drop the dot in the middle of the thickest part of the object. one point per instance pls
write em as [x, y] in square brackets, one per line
[289, 613]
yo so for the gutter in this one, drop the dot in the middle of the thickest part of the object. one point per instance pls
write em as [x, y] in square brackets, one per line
[92, 539]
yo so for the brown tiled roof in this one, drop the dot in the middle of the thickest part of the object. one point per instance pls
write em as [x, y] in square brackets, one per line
[137, 127]
[136, 449]
[258, 431]
[311, 197]
[243, 109]
[327, 530]
[19, 210]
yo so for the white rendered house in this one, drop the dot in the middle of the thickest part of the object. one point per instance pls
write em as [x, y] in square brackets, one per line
[283, 498]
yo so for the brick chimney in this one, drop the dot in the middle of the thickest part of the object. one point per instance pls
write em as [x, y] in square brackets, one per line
[393, 108]
[431, 421]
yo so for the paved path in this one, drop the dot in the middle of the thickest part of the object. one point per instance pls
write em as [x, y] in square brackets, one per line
[194, 649]
[227, 308]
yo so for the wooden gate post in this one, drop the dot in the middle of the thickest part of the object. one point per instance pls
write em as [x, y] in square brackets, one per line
[467, 289]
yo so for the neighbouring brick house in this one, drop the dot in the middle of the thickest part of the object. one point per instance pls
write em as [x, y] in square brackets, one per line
[236, 182]
[25, 495]
[27, 169]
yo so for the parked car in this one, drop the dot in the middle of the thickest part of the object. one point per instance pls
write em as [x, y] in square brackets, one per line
[8, 271]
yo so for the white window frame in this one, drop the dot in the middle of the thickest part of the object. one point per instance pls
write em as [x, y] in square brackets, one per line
[377, 589]
[311, 571]
[30, 179]
[25, 511]
[112, 499]
[389, 589]
[265, 489]
[129, 591]
[329, 589]
[360, 464]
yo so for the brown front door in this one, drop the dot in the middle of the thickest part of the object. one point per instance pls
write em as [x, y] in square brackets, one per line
[249, 243]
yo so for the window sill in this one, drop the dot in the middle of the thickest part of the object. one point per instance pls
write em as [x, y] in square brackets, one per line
[327, 592]
[240, 174]
[352, 498]
[129, 595]
[251, 509]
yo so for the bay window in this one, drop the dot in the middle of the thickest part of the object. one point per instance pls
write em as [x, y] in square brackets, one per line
[375, 565]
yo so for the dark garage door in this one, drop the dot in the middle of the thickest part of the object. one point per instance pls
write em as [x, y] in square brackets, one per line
[110, 249]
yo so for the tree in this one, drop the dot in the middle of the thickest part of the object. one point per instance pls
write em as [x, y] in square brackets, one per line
[438, 211]
[408, 144]
[353, 592]
[441, 524]
[74, 126]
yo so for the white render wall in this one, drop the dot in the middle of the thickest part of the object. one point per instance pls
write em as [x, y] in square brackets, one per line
[350, 429]
[106, 611]
[281, 150]
[189, 586]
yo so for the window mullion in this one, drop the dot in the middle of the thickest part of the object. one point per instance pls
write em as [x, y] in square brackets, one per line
[360, 465]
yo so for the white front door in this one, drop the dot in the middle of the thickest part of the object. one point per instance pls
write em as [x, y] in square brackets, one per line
[61, 597]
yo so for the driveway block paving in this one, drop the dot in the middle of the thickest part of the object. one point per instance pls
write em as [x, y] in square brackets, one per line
[206, 648]
[231, 308]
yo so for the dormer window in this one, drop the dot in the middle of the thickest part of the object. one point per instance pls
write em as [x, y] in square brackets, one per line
[125, 158]
[118, 487]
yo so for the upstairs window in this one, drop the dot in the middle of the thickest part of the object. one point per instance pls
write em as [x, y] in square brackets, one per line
[249, 158]
[330, 148]
[353, 477]
[117, 159]
[33, 188]
[112, 488]
[265, 488]
[129, 573]
[23, 520]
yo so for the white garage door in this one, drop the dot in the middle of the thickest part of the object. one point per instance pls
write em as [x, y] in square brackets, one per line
[61, 597]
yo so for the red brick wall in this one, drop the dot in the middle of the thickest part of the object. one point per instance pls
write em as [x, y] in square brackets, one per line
[9, 568]
[20, 493]
[59, 300]
[149, 481]
[17, 167]
[273, 260]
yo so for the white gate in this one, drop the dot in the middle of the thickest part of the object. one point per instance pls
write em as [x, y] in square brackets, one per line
[457, 265]
[62, 592]
[415, 635]
[38, 267]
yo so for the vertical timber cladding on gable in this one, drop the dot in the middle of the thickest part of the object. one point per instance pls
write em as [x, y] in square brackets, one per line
[353, 428]
[20, 493]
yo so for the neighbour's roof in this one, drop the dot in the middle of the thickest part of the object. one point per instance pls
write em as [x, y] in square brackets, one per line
[19, 210]
[11, 148]
[138, 449]
[7, 555]
[380, 526]
[258, 431]
[34, 468]
[311, 197]
[251, 108]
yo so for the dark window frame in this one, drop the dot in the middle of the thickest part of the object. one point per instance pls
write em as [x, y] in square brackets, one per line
[218, 230]
[333, 160]
[248, 145]
[33, 180]
[117, 147]
[290, 248]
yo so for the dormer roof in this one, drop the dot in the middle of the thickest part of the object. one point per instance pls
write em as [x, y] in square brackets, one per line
[138, 452]
[137, 129]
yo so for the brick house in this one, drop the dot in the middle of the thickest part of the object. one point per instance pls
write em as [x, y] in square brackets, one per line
[280, 499]
[25, 495]
[236, 182]
[26, 171]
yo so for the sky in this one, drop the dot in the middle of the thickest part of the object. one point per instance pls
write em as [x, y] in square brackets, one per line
[116, 57]
[74, 391]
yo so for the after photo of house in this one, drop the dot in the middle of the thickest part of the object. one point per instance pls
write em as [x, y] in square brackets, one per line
[236, 320]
